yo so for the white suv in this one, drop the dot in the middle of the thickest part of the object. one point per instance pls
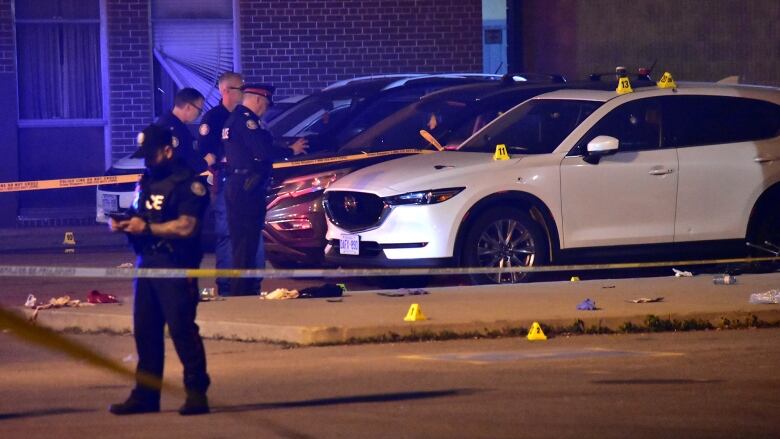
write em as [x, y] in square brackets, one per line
[590, 172]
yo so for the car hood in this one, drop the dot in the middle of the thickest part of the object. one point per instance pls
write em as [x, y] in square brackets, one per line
[421, 172]
[128, 162]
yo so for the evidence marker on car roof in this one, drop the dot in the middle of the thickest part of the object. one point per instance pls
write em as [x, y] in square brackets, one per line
[667, 81]
[624, 85]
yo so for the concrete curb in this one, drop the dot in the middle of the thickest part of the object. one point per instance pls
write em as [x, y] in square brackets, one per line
[62, 320]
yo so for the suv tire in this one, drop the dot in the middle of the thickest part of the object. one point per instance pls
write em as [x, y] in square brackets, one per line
[504, 237]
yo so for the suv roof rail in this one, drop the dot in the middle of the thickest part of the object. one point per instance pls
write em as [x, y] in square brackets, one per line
[533, 76]
[404, 81]
[344, 82]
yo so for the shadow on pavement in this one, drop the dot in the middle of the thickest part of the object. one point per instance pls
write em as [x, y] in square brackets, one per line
[357, 399]
[39, 413]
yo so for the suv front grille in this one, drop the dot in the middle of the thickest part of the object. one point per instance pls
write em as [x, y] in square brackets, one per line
[354, 210]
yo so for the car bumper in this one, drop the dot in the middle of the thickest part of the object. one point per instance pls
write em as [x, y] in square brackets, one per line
[407, 234]
[296, 232]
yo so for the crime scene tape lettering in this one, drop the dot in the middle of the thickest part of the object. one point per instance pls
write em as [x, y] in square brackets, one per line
[36, 185]
[119, 273]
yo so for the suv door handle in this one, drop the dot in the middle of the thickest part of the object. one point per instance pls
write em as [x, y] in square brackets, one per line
[764, 159]
[661, 171]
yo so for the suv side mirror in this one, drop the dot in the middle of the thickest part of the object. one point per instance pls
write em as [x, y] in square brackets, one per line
[599, 147]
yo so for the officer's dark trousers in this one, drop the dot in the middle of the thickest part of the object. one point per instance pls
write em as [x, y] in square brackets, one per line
[171, 301]
[245, 212]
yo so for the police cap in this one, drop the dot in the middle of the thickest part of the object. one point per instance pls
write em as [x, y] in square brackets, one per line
[152, 139]
[265, 90]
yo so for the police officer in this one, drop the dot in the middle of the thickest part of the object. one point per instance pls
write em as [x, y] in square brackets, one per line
[210, 145]
[187, 107]
[164, 229]
[250, 152]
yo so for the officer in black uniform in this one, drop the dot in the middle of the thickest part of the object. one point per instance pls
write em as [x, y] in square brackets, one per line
[187, 107]
[250, 152]
[210, 145]
[164, 228]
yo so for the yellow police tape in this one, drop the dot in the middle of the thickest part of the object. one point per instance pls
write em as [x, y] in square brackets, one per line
[36, 185]
[129, 273]
[19, 327]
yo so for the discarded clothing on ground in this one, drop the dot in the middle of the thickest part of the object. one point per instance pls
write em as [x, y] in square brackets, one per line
[767, 297]
[587, 305]
[96, 296]
[681, 273]
[646, 300]
[279, 294]
[57, 302]
[401, 292]
[324, 290]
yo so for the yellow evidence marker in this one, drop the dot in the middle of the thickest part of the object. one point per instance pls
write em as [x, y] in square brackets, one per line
[501, 153]
[536, 333]
[666, 81]
[624, 86]
[414, 314]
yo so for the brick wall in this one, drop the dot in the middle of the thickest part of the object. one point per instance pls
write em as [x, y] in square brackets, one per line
[300, 46]
[7, 52]
[9, 149]
[693, 39]
[130, 72]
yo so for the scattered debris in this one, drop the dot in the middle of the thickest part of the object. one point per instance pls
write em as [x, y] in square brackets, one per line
[96, 296]
[587, 305]
[126, 265]
[608, 286]
[59, 302]
[767, 297]
[279, 294]
[401, 292]
[324, 290]
[31, 302]
[680, 273]
[724, 279]
[646, 300]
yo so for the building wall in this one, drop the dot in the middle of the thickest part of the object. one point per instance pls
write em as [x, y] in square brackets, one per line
[9, 150]
[131, 97]
[301, 46]
[703, 40]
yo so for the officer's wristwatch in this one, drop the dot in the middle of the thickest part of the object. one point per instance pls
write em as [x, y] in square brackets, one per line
[147, 229]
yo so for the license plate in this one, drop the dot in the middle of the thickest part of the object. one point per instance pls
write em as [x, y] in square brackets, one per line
[110, 203]
[349, 245]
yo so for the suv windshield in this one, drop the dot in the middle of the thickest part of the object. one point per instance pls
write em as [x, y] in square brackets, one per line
[535, 127]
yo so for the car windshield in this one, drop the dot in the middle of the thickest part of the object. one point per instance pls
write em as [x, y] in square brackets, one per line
[402, 129]
[536, 127]
[315, 114]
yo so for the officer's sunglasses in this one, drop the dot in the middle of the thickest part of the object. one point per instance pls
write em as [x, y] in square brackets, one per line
[200, 109]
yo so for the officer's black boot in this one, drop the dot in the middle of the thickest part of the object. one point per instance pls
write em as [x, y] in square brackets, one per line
[196, 404]
[134, 405]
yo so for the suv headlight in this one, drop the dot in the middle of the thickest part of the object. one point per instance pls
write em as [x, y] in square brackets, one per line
[307, 184]
[431, 196]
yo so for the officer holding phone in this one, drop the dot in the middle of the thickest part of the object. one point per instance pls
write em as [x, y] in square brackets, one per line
[164, 225]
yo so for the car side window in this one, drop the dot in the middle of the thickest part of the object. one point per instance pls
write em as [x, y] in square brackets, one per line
[637, 125]
[713, 120]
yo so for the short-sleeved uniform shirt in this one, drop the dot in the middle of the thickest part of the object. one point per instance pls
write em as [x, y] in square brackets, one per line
[248, 145]
[184, 146]
[210, 132]
[160, 200]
